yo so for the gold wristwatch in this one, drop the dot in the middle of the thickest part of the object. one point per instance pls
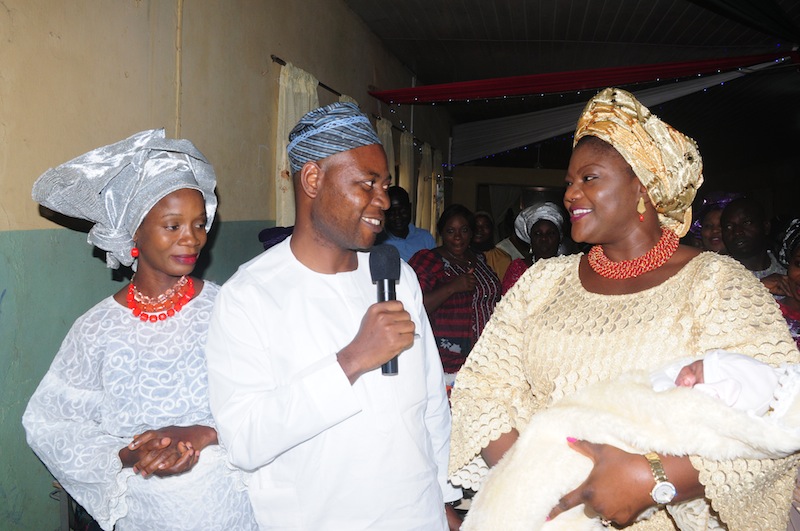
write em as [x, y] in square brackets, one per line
[664, 491]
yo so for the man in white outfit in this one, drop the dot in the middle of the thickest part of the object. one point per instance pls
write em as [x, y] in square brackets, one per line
[295, 348]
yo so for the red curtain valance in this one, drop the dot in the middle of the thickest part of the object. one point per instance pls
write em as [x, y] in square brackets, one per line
[558, 82]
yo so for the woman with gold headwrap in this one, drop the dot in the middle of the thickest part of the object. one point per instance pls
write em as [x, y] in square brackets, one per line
[636, 301]
[122, 417]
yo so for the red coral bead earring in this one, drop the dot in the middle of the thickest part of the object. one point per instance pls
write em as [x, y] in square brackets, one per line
[640, 208]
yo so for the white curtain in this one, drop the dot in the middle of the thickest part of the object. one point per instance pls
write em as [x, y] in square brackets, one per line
[297, 95]
[501, 198]
[384, 128]
[479, 139]
[406, 177]
[344, 98]
[437, 178]
[424, 189]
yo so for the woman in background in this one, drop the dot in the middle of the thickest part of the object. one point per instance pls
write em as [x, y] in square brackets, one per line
[459, 289]
[542, 226]
[707, 227]
[121, 418]
[483, 242]
[483, 235]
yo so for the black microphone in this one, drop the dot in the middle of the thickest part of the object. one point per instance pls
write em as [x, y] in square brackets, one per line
[384, 266]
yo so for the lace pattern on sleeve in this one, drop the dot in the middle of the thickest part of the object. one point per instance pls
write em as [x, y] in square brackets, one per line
[741, 316]
[492, 393]
[749, 494]
[112, 379]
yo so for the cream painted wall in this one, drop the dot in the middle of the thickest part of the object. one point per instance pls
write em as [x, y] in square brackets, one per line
[72, 79]
[83, 73]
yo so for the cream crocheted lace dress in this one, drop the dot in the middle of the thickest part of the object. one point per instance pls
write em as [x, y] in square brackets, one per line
[550, 337]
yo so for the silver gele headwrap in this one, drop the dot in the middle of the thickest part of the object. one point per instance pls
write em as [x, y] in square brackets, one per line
[329, 130]
[791, 239]
[115, 187]
[528, 217]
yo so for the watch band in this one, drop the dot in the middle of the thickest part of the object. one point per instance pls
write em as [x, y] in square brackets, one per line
[663, 492]
[657, 468]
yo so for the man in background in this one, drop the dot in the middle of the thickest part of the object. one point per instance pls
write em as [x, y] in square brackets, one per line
[745, 231]
[400, 232]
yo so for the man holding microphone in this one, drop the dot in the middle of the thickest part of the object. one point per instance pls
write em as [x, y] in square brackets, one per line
[295, 349]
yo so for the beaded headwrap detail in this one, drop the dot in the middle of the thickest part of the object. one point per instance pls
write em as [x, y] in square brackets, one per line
[666, 161]
[329, 130]
[115, 186]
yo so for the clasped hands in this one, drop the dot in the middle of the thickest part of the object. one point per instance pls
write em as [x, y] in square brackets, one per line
[167, 451]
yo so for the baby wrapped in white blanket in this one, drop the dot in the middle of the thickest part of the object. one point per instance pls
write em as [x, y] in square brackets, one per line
[746, 409]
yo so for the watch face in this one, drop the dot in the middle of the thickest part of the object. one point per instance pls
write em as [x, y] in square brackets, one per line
[663, 492]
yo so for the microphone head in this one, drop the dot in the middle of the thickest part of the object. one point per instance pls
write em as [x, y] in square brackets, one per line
[384, 263]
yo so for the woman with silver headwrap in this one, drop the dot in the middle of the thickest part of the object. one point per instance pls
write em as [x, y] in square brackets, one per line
[635, 301]
[542, 227]
[122, 418]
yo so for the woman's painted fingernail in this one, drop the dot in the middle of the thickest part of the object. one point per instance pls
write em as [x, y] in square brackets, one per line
[547, 519]
[572, 440]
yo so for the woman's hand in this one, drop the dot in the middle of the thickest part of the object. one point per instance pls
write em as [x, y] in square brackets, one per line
[777, 284]
[167, 451]
[618, 487]
[464, 282]
[461, 283]
[162, 457]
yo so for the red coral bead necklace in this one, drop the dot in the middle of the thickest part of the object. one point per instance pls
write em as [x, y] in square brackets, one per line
[165, 305]
[652, 259]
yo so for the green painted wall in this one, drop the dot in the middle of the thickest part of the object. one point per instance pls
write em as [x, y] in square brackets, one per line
[47, 279]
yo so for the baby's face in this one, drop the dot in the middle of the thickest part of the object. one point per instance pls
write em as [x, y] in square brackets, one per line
[690, 375]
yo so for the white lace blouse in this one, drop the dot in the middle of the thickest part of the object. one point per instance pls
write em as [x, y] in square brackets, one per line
[115, 377]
